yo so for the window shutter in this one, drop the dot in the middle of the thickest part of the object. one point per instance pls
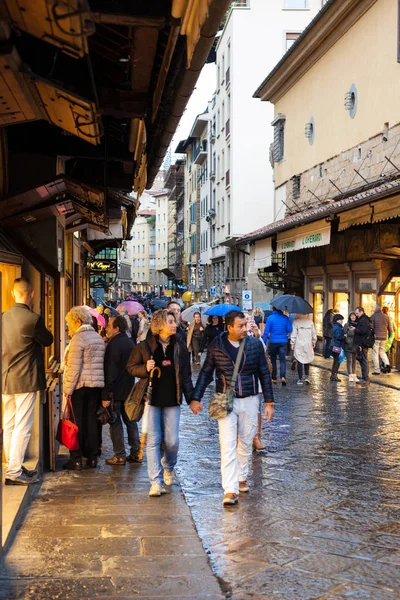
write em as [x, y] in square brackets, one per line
[279, 137]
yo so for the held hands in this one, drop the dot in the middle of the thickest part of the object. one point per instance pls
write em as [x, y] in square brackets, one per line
[269, 411]
[150, 365]
[196, 407]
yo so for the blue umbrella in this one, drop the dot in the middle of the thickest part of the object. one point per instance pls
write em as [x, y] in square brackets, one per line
[292, 304]
[221, 310]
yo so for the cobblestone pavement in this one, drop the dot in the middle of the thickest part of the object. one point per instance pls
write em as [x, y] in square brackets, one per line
[97, 534]
[322, 519]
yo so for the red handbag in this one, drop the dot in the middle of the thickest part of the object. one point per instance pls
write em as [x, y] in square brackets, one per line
[67, 431]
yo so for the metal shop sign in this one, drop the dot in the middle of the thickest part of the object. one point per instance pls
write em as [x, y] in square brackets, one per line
[102, 266]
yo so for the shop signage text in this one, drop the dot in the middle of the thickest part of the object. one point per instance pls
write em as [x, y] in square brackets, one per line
[102, 266]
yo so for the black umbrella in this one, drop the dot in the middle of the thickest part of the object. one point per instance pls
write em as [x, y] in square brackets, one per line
[292, 304]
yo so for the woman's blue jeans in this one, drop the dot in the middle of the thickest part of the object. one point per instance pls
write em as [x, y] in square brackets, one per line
[163, 425]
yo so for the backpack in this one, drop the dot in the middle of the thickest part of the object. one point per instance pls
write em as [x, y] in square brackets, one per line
[369, 340]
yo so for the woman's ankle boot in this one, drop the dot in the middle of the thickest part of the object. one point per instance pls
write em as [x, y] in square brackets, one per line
[257, 443]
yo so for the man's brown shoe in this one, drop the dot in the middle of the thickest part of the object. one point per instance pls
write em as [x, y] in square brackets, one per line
[243, 486]
[230, 499]
[116, 461]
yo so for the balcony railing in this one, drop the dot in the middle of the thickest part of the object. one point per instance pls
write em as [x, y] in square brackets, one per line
[228, 128]
[212, 175]
[200, 152]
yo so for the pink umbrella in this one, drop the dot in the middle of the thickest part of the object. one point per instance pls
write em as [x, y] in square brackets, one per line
[100, 319]
[132, 307]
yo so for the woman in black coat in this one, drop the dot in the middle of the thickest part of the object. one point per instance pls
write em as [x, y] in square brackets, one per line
[214, 328]
[164, 350]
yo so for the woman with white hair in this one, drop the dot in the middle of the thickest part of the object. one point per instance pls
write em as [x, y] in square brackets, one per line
[83, 382]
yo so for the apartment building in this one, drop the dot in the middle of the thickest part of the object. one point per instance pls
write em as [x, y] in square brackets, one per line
[337, 160]
[174, 183]
[144, 251]
[161, 229]
[255, 37]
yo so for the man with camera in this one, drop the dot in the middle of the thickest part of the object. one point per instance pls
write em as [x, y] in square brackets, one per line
[119, 383]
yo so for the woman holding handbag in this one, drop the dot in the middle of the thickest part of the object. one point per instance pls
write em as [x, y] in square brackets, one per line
[83, 381]
[164, 350]
[336, 345]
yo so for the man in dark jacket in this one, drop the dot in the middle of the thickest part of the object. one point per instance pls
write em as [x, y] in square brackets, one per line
[277, 329]
[238, 428]
[23, 335]
[327, 323]
[119, 383]
[362, 329]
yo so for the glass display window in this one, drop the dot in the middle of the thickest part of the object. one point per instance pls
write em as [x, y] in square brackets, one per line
[318, 306]
[9, 274]
[341, 303]
[368, 303]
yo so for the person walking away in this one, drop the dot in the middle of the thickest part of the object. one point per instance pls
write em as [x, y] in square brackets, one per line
[259, 318]
[118, 382]
[277, 329]
[349, 347]
[336, 344]
[215, 327]
[389, 345]
[195, 336]
[302, 341]
[144, 326]
[124, 313]
[362, 341]
[23, 336]
[383, 329]
[83, 382]
[164, 350]
[327, 323]
[237, 429]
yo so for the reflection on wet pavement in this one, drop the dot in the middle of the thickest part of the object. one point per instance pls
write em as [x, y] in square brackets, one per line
[322, 519]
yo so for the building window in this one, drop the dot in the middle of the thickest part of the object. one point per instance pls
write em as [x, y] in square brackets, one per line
[296, 4]
[290, 40]
[193, 213]
[296, 183]
[310, 130]
[279, 137]
[351, 101]
[159, 247]
[193, 244]
[143, 247]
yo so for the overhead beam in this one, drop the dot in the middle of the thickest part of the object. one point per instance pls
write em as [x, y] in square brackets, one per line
[129, 20]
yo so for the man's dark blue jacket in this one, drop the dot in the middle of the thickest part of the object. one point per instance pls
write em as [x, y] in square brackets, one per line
[253, 368]
[116, 377]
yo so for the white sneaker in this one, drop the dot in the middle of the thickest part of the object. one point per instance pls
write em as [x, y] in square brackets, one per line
[169, 477]
[307, 381]
[157, 490]
[355, 378]
[299, 382]
[351, 378]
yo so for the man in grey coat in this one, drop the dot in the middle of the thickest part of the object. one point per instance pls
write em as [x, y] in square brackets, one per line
[23, 336]
[382, 329]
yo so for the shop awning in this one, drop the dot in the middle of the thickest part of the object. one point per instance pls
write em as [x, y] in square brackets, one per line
[307, 236]
[386, 209]
[260, 255]
[357, 216]
[168, 273]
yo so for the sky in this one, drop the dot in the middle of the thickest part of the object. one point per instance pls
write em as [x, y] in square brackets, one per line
[197, 104]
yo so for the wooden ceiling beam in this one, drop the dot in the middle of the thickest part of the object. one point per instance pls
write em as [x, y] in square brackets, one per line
[130, 20]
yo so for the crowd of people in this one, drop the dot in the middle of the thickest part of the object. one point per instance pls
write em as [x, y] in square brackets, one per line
[148, 361]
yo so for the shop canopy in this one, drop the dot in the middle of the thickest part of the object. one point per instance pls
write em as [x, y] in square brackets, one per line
[374, 212]
[306, 236]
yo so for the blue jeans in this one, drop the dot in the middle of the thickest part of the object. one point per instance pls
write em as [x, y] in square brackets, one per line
[276, 350]
[163, 424]
[117, 433]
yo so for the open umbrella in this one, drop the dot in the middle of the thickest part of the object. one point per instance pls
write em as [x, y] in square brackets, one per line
[187, 314]
[113, 311]
[100, 319]
[221, 310]
[292, 304]
[158, 303]
[132, 307]
[145, 418]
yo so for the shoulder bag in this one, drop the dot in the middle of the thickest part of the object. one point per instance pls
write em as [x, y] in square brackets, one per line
[221, 404]
[134, 403]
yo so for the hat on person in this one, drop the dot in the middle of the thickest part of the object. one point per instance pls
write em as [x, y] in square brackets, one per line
[337, 318]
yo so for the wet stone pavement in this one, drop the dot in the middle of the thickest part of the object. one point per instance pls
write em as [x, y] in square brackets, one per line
[322, 519]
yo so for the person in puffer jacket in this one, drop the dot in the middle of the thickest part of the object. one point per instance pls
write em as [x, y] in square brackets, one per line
[238, 428]
[83, 382]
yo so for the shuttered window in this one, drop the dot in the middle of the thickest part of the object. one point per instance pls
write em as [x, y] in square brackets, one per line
[279, 137]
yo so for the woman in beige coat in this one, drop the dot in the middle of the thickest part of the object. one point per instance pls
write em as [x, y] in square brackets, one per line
[302, 340]
[83, 382]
